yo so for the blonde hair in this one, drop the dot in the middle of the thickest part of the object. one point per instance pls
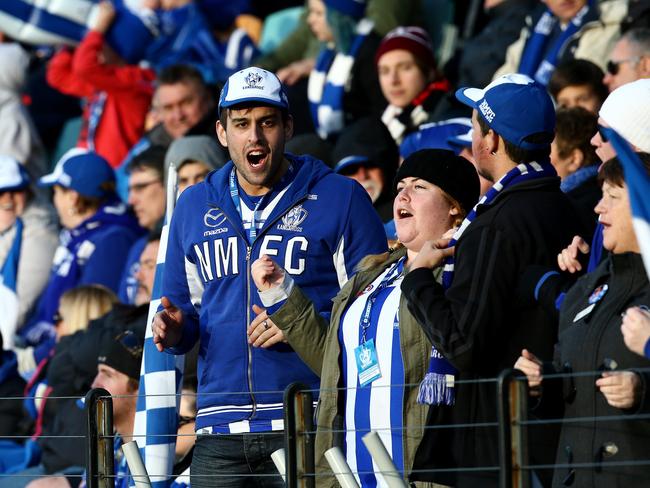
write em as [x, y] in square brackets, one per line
[80, 305]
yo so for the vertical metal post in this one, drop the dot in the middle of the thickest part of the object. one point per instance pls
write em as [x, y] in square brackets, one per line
[298, 421]
[100, 469]
[512, 402]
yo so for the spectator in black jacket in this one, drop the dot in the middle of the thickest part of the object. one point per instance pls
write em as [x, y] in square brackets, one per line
[472, 319]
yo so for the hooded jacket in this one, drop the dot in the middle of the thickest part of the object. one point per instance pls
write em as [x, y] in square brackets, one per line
[322, 224]
[18, 136]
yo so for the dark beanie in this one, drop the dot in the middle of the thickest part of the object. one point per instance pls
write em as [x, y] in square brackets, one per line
[123, 353]
[412, 39]
[453, 174]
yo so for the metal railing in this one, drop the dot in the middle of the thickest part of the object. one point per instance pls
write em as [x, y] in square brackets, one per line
[512, 424]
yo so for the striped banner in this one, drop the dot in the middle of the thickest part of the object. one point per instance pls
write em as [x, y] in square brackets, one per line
[161, 379]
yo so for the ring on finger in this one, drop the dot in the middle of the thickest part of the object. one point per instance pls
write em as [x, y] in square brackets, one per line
[266, 325]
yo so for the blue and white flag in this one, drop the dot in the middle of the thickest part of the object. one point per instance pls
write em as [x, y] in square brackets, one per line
[161, 380]
[638, 187]
[58, 22]
[8, 296]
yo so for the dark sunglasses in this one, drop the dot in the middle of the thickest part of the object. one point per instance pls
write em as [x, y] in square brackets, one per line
[613, 66]
[603, 135]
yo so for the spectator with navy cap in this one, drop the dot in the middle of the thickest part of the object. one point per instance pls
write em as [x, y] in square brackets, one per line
[471, 318]
[28, 238]
[263, 201]
[98, 232]
[366, 152]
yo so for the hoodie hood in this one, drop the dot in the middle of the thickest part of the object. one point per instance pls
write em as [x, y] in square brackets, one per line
[14, 61]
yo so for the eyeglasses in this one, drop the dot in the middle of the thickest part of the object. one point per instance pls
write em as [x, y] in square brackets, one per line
[603, 135]
[138, 187]
[613, 66]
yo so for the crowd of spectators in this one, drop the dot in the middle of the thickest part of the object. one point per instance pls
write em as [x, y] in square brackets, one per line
[502, 106]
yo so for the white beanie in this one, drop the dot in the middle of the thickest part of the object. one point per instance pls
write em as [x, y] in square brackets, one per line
[627, 111]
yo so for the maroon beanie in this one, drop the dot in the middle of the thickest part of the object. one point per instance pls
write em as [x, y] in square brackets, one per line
[412, 39]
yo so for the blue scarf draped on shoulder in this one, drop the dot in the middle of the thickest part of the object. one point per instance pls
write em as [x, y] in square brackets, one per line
[539, 59]
[75, 247]
[327, 82]
[437, 388]
[8, 287]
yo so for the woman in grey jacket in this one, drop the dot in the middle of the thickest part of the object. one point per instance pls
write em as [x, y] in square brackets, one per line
[371, 355]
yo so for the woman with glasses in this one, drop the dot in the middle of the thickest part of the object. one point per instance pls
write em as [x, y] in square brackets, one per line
[372, 357]
[603, 385]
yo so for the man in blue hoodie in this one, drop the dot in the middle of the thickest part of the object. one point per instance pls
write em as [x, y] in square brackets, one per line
[264, 201]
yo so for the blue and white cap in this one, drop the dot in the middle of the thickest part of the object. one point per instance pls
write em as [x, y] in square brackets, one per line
[354, 160]
[83, 171]
[435, 135]
[253, 85]
[515, 106]
[462, 141]
[12, 175]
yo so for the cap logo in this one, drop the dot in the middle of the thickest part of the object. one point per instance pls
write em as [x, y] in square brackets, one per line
[253, 80]
[487, 112]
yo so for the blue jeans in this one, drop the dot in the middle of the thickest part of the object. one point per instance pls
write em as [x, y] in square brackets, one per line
[236, 461]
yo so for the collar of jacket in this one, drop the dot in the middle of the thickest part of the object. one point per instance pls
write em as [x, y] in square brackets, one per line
[308, 172]
[543, 183]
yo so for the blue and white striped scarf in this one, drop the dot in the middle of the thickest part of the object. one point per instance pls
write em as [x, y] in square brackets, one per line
[539, 60]
[327, 83]
[438, 384]
[8, 287]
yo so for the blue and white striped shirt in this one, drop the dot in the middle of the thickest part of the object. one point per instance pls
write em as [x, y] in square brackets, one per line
[377, 406]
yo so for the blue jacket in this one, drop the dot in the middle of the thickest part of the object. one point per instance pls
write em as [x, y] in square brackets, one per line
[322, 225]
[92, 253]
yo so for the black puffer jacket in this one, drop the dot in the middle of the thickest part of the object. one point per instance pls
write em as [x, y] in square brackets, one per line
[70, 373]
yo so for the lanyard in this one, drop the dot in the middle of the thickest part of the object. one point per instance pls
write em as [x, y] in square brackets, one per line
[95, 114]
[394, 273]
[234, 194]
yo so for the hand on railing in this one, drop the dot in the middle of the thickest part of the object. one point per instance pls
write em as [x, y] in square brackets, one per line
[531, 366]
